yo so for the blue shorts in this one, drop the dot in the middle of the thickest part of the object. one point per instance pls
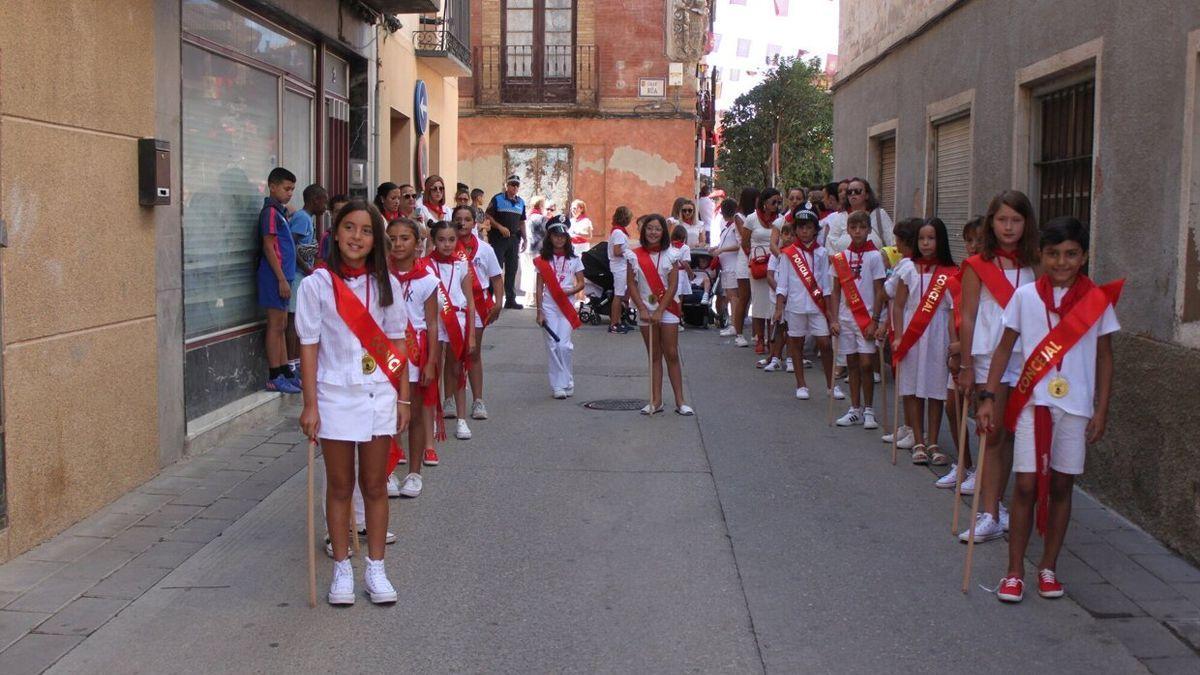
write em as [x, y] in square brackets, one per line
[268, 290]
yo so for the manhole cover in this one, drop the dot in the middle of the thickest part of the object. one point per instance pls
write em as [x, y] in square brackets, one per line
[616, 404]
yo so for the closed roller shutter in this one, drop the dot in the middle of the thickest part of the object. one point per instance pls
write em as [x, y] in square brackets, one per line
[886, 192]
[952, 184]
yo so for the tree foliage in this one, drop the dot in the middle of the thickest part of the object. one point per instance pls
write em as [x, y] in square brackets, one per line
[793, 101]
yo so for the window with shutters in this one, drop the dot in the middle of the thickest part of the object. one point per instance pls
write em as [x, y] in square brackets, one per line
[1064, 158]
[952, 178]
[885, 181]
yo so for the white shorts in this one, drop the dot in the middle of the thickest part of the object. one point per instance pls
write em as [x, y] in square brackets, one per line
[851, 340]
[807, 324]
[983, 363]
[729, 280]
[620, 283]
[668, 319]
[414, 371]
[462, 326]
[356, 412]
[1068, 445]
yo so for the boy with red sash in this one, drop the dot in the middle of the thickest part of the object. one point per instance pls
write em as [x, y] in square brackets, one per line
[487, 290]
[857, 295]
[560, 275]
[801, 287]
[1064, 322]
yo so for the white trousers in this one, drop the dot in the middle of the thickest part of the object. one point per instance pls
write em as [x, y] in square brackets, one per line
[560, 353]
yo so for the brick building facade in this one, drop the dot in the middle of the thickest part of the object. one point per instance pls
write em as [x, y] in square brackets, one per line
[586, 99]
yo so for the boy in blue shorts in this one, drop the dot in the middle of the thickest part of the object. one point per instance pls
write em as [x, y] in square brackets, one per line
[276, 272]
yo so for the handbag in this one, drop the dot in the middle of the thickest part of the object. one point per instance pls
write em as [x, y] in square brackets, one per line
[758, 265]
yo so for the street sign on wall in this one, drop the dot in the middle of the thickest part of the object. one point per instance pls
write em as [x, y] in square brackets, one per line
[421, 107]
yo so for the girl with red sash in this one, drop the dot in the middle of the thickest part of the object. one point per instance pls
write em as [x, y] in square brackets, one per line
[433, 201]
[923, 318]
[487, 290]
[456, 303]
[970, 236]
[1006, 263]
[356, 389]
[419, 290]
[560, 275]
[653, 285]
[1059, 403]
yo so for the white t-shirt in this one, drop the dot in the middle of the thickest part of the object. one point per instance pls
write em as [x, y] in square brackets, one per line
[451, 275]
[838, 239]
[729, 238]
[685, 256]
[789, 284]
[339, 357]
[694, 231]
[664, 261]
[989, 317]
[869, 267]
[760, 236]
[415, 293]
[565, 270]
[425, 214]
[616, 263]
[1026, 314]
[486, 264]
[705, 208]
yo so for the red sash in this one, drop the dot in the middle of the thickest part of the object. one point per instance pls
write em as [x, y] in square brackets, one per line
[455, 334]
[483, 303]
[550, 279]
[654, 280]
[994, 278]
[925, 311]
[850, 291]
[1047, 355]
[955, 286]
[360, 322]
[577, 240]
[804, 271]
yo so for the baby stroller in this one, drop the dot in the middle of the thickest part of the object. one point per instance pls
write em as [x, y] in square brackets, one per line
[697, 310]
[598, 287]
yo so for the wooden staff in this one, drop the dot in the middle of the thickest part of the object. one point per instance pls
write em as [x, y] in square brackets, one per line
[974, 512]
[962, 453]
[312, 532]
[650, 373]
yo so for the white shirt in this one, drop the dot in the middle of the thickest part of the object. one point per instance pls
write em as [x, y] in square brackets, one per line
[789, 284]
[694, 231]
[728, 238]
[582, 227]
[902, 268]
[1026, 314]
[616, 263]
[871, 268]
[339, 357]
[486, 264]
[685, 256]
[451, 275]
[565, 270]
[989, 317]
[705, 206]
[838, 239]
[424, 215]
[415, 293]
[664, 261]
[760, 236]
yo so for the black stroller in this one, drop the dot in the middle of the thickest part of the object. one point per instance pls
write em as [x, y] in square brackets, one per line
[598, 288]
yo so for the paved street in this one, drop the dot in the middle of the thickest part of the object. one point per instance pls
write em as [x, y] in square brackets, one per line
[750, 538]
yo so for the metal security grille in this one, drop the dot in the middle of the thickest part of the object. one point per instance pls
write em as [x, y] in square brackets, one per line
[952, 179]
[622, 404]
[885, 191]
[1064, 162]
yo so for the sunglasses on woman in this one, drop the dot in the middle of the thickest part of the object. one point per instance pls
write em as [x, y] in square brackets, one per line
[854, 191]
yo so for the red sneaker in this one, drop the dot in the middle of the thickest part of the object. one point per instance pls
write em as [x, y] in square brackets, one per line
[1048, 586]
[759, 347]
[1012, 589]
[431, 458]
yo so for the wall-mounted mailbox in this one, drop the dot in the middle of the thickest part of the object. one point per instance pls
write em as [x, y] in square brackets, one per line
[154, 172]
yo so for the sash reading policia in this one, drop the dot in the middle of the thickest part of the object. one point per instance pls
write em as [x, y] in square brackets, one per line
[804, 271]
[654, 280]
[1076, 318]
[850, 290]
[550, 279]
[377, 345]
[925, 311]
[466, 252]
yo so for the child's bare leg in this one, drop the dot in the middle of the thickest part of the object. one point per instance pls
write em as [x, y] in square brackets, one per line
[952, 409]
[780, 339]
[372, 481]
[339, 487]
[655, 364]
[999, 461]
[795, 346]
[912, 415]
[1061, 489]
[669, 338]
[855, 379]
[825, 346]
[934, 428]
[1020, 521]
[866, 364]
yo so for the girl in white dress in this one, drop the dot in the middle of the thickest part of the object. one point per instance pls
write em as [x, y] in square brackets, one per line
[760, 225]
[559, 259]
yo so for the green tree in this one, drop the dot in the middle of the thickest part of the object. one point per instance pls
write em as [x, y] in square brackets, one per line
[791, 104]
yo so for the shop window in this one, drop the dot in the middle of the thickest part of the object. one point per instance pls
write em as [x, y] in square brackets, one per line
[228, 27]
[543, 171]
[298, 138]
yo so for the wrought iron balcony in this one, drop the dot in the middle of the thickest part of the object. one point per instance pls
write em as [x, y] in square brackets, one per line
[550, 75]
[446, 52]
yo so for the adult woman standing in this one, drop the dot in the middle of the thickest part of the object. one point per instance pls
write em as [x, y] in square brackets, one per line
[581, 227]
[690, 219]
[433, 201]
[746, 203]
[860, 197]
[759, 226]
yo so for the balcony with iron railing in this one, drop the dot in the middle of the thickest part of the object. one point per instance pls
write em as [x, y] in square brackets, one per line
[549, 76]
[442, 41]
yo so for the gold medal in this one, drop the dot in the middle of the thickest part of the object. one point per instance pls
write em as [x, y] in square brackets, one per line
[368, 363]
[1058, 386]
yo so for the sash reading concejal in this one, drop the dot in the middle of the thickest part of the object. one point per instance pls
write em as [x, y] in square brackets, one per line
[925, 311]
[850, 291]
[360, 322]
[993, 278]
[804, 271]
[550, 279]
[654, 280]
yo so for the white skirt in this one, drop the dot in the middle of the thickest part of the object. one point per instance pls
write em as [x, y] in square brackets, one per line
[923, 372]
[356, 413]
[762, 301]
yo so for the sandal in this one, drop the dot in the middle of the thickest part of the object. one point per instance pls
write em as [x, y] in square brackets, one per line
[761, 363]
[919, 456]
[685, 410]
[937, 457]
[651, 409]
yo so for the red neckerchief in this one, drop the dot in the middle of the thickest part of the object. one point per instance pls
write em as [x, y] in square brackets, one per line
[1011, 255]
[808, 248]
[859, 250]
[621, 229]
[762, 218]
[925, 264]
[653, 248]
[470, 244]
[1075, 293]
[677, 244]
[444, 259]
[418, 271]
[389, 216]
[439, 211]
[351, 272]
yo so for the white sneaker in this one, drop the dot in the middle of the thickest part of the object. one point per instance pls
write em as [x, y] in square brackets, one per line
[773, 366]
[869, 419]
[461, 431]
[986, 529]
[412, 485]
[329, 548]
[1003, 517]
[851, 418]
[560, 394]
[807, 364]
[876, 378]
[727, 331]
[376, 584]
[904, 431]
[761, 362]
[791, 365]
[740, 341]
[948, 481]
[968, 486]
[449, 408]
[907, 440]
[802, 393]
[838, 394]
[389, 538]
[478, 410]
[341, 589]
[570, 391]
[393, 486]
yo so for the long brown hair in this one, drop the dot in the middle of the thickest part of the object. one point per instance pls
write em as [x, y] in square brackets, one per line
[1028, 252]
[434, 178]
[377, 265]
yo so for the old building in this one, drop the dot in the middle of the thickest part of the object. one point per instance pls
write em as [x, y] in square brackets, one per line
[131, 332]
[1090, 108]
[587, 99]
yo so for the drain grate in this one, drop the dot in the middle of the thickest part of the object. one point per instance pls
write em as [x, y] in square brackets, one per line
[616, 404]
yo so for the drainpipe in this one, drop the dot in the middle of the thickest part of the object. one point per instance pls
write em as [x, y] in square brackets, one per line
[377, 139]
